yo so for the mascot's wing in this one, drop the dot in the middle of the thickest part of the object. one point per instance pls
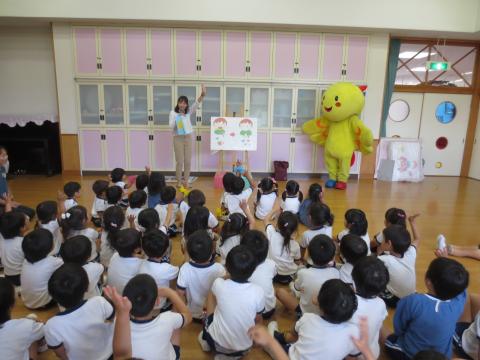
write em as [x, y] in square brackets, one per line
[317, 129]
[362, 135]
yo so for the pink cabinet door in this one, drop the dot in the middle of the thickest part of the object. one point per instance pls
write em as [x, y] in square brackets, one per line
[279, 147]
[115, 149]
[185, 53]
[308, 51]
[139, 153]
[260, 54]
[208, 161]
[85, 50]
[163, 150]
[136, 45]
[302, 159]
[285, 55]
[91, 145]
[111, 51]
[356, 57]
[194, 159]
[161, 49]
[258, 159]
[333, 57]
[235, 54]
[211, 53]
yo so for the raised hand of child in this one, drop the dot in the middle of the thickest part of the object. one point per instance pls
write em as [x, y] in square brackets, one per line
[61, 196]
[121, 303]
[412, 218]
[441, 252]
[260, 336]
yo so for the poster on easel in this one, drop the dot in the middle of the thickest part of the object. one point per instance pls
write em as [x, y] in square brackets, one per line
[233, 133]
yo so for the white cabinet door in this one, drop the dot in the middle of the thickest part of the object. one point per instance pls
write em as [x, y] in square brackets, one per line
[475, 161]
[404, 115]
[282, 108]
[258, 103]
[442, 130]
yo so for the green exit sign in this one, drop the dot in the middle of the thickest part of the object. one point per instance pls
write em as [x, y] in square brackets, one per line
[438, 65]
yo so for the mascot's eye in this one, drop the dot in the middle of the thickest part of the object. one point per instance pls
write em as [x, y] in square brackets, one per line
[336, 98]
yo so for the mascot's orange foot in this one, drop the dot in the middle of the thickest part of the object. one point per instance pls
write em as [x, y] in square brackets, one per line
[340, 185]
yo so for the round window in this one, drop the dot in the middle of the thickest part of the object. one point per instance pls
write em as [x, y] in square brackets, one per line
[445, 112]
[399, 110]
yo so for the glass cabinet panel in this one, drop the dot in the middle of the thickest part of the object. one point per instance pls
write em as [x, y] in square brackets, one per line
[306, 104]
[211, 105]
[282, 108]
[89, 110]
[259, 105]
[235, 101]
[113, 100]
[162, 104]
[138, 104]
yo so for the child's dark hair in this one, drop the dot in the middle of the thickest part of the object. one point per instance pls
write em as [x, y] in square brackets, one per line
[314, 192]
[448, 277]
[74, 219]
[137, 199]
[37, 244]
[429, 355]
[240, 263]
[357, 222]
[117, 175]
[353, 248]
[68, 284]
[76, 250]
[227, 181]
[292, 189]
[114, 194]
[196, 219]
[141, 181]
[100, 187]
[399, 236]
[142, 292]
[395, 216]
[148, 219]
[70, 188]
[46, 211]
[168, 194]
[257, 242]
[113, 220]
[156, 183]
[200, 246]
[237, 185]
[236, 224]
[196, 198]
[287, 224]
[11, 224]
[370, 276]
[127, 241]
[337, 301]
[155, 243]
[268, 186]
[320, 215]
[7, 297]
[182, 98]
[321, 250]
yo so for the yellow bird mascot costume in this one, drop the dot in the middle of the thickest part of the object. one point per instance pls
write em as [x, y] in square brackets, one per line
[340, 131]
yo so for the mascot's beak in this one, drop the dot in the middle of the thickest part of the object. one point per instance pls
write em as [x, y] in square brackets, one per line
[328, 109]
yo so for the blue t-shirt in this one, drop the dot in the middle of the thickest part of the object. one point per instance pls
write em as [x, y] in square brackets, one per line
[424, 322]
[153, 200]
[3, 181]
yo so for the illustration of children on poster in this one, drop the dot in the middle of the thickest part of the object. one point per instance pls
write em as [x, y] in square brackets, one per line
[233, 133]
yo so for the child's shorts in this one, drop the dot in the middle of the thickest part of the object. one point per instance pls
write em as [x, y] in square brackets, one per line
[281, 340]
[390, 300]
[96, 221]
[457, 339]
[394, 350]
[268, 314]
[283, 279]
[216, 347]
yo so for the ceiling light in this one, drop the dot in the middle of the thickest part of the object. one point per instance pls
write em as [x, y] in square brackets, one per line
[411, 54]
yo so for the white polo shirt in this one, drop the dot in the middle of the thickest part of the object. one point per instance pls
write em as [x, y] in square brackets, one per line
[17, 335]
[285, 260]
[69, 203]
[309, 234]
[291, 204]
[99, 205]
[263, 277]
[151, 338]
[83, 330]
[227, 245]
[34, 281]
[162, 272]
[365, 238]
[376, 312]
[402, 272]
[94, 271]
[92, 235]
[162, 210]
[237, 306]
[308, 283]
[54, 228]
[12, 255]
[106, 250]
[121, 270]
[184, 207]
[232, 202]
[346, 273]
[317, 338]
[265, 205]
[471, 338]
[196, 280]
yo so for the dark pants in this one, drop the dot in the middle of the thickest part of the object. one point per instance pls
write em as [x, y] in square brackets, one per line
[13, 279]
[394, 351]
[283, 279]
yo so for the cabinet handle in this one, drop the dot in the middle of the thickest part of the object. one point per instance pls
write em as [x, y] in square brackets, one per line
[103, 137]
[150, 137]
[199, 138]
[200, 67]
[292, 139]
[102, 117]
[100, 66]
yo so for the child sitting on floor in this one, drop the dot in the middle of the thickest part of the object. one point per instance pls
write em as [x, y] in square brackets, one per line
[72, 192]
[47, 215]
[315, 195]
[292, 197]
[113, 220]
[100, 203]
[356, 224]
[266, 195]
[168, 197]
[352, 249]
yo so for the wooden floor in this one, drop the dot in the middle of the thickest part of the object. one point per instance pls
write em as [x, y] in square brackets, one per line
[447, 205]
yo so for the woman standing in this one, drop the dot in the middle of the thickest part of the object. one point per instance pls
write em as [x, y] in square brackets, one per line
[179, 121]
